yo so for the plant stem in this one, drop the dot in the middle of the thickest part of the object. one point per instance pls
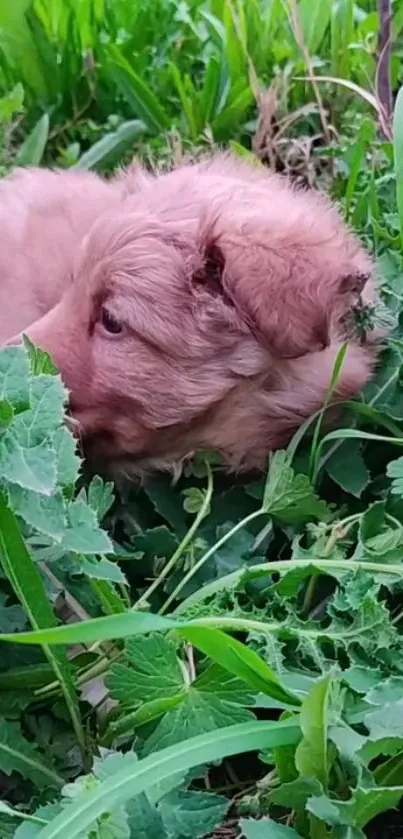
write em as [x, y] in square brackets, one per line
[207, 556]
[203, 512]
[383, 86]
[282, 566]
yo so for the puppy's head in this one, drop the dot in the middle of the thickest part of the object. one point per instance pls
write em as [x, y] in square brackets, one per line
[162, 333]
[145, 338]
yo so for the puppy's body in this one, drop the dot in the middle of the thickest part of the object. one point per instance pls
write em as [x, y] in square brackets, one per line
[44, 215]
[207, 311]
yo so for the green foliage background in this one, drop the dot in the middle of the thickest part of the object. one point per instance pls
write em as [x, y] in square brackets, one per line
[236, 654]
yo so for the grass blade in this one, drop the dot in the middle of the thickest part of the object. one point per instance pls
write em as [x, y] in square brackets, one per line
[146, 773]
[188, 106]
[137, 93]
[315, 19]
[111, 148]
[32, 149]
[26, 582]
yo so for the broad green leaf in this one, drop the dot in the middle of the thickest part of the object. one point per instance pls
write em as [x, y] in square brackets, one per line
[102, 569]
[30, 468]
[45, 513]
[47, 398]
[327, 811]
[83, 534]
[219, 681]
[295, 794]
[100, 496]
[289, 496]
[144, 819]
[240, 660]
[19, 755]
[39, 360]
[394, 470]
[14, 376]
[153, 677]
[266, 829]
[311, 757]
[198, 713]
[386, 721]
[385, 691]
[144, 774]
[67, 461]
[31, 151]
[368, 803]
[154, 672]
[347, 468]
[192, 814]
[112, 147]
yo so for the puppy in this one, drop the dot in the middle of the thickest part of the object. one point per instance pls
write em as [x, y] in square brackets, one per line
[207, 313]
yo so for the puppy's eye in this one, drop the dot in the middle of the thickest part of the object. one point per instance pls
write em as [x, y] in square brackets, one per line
[110, 323]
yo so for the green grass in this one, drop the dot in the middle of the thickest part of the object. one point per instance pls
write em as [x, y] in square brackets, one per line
[246, 635]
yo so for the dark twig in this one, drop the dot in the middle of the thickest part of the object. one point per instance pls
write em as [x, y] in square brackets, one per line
[383, 88]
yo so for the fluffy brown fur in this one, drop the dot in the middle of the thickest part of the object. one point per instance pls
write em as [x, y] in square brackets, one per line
[206, 312]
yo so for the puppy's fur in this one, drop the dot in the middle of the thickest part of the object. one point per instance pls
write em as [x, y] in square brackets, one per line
[227, 292]
[44, 216]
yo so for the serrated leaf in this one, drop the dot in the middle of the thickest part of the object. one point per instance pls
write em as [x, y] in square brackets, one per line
[192, 814]
[289, 496]
[30, 468]
[326, 810]
[100, 496]
[83, 534]
[19, 755]
[102, 569]
[47, 398]
[46, 514]
[199, 713]
[154, 672]
[386, 721]
[266, 829]
[224, 685]
[394, 470]
[39, 360]
[67, 461]
[14, 376]
[144, 819]
[386, 691]
[295, 794]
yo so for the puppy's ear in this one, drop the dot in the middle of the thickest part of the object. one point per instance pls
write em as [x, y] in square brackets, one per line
[291, 298]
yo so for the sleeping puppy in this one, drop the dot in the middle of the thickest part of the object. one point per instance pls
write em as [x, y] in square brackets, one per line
[44, 216]
[207, 313]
